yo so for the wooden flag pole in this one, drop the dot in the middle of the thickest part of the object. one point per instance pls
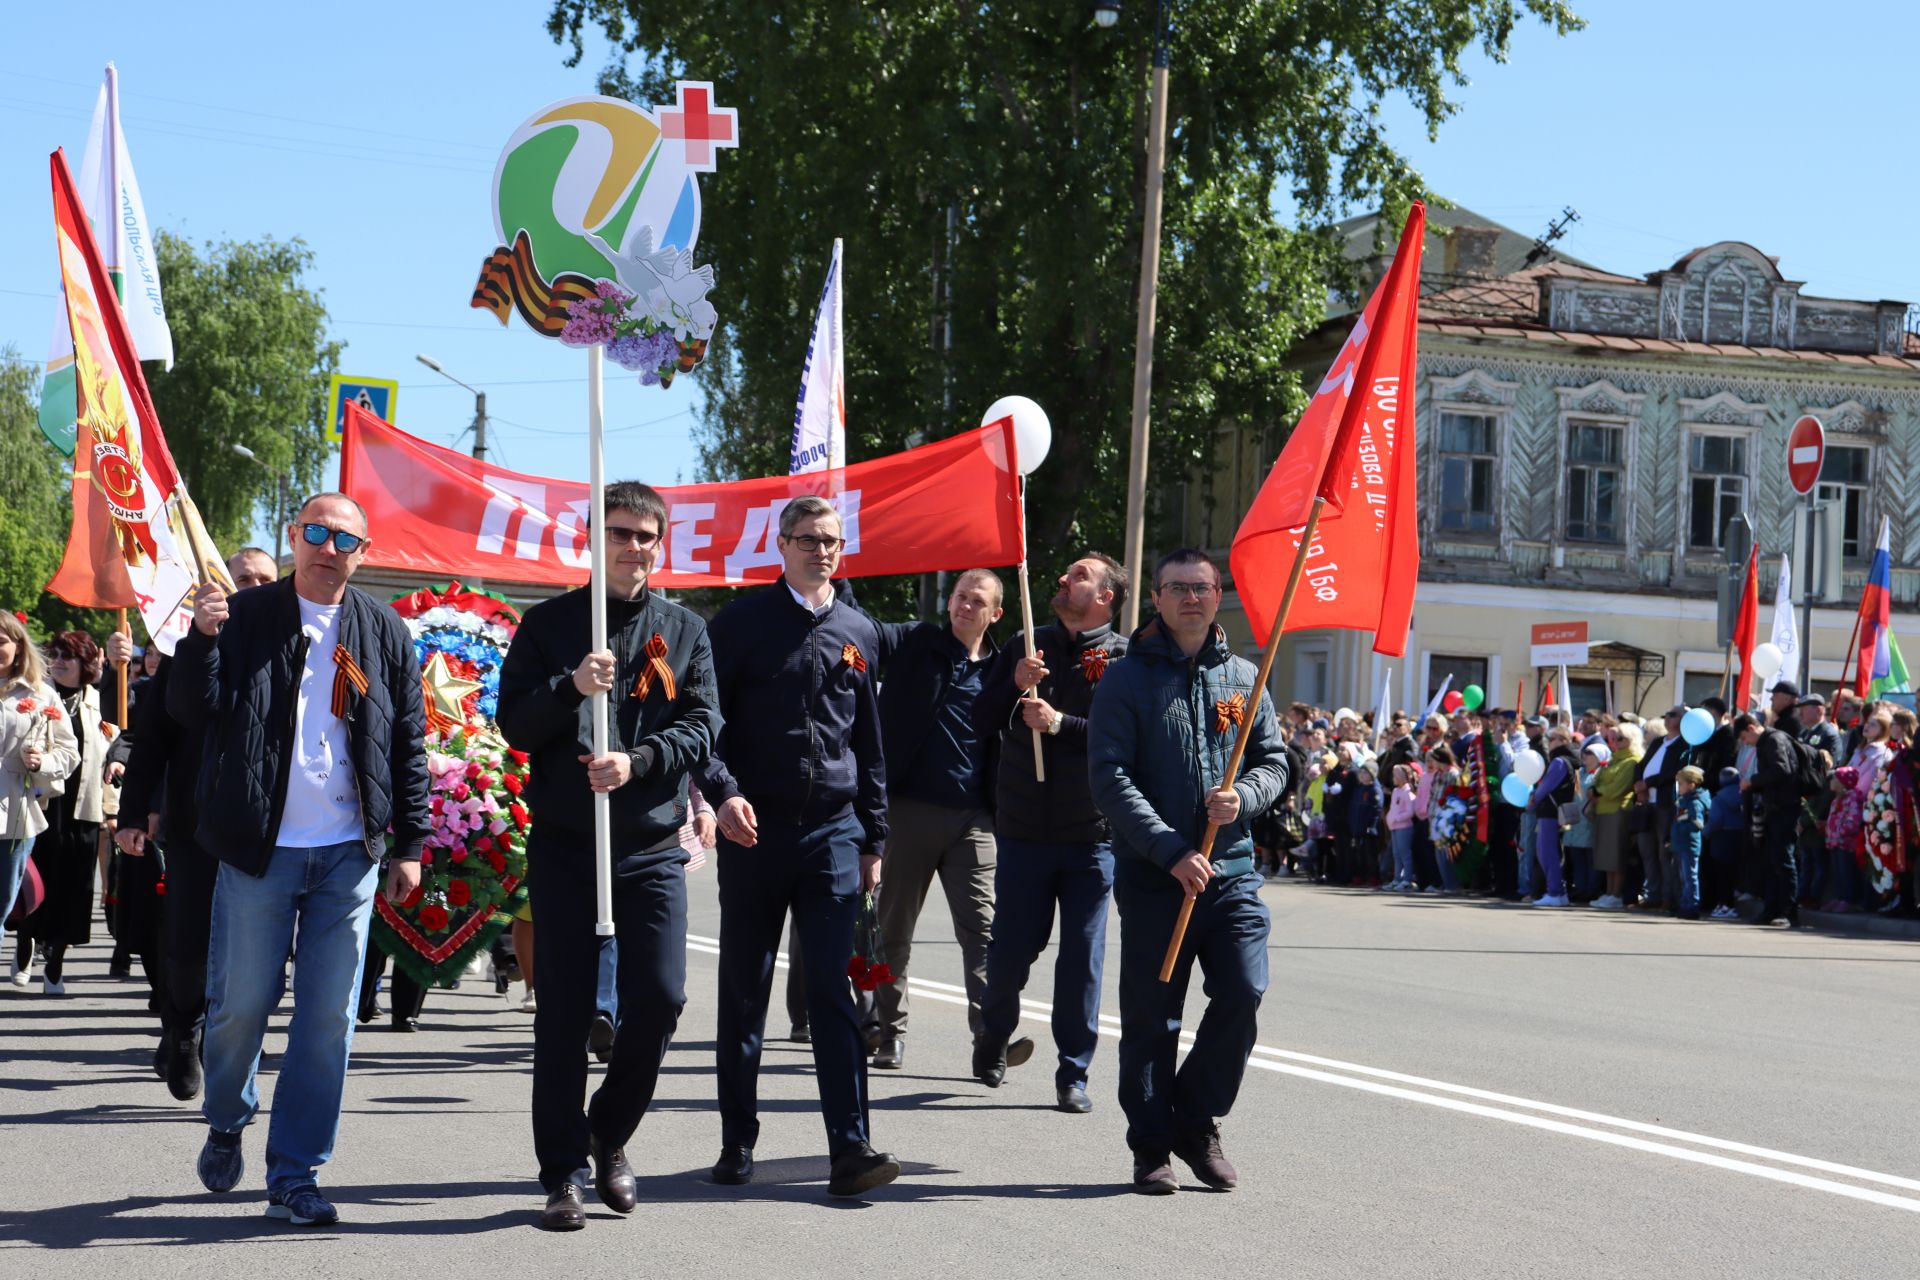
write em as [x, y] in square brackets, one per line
[597, 545]
[1852, 643]
[1026, 621]
[121, 667]
[1246, 725]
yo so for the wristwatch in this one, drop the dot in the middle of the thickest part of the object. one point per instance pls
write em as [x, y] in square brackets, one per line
[1053, 725]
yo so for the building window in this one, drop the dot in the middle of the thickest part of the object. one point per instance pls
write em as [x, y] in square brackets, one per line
[1467, 455]
[1716, 487]
[1464, 670]
[1311, 674]
[1697, 686]
[1843, 480]
[1594, 482]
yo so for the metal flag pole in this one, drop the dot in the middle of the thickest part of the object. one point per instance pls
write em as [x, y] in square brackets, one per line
[597, 544]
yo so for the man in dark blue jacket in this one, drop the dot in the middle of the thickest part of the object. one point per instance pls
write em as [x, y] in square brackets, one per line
[1054, 845]
[798, 784]
[939, 803]
[662, 719]
[1163, 725]
[307, 693]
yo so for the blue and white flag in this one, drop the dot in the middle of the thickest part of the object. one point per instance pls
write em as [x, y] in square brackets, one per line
[820, 417]
[1786, 631]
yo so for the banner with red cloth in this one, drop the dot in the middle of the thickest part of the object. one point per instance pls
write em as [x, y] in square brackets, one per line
[953, 504]
[1746, 624]
[1354, 446]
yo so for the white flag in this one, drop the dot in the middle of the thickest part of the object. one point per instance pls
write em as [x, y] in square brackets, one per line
[112, 196]
[820, 417]
[1438, 698]
[1786, 632]
[1380, 712]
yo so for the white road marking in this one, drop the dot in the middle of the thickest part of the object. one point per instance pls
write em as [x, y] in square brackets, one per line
[1372, 1080]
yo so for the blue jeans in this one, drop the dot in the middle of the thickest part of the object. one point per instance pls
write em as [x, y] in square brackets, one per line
[1529, 833]
[1402, 838]
[13, 871]
[1686, 865]
[317, 905]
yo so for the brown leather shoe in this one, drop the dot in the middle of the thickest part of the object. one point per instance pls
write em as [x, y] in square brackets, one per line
[613, 1177]
[1201, 1152]
[1153, 1174]
[565, 1210]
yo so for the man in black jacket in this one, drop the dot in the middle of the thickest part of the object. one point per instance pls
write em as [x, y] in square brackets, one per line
[798, 783]
[307, 693]
[1665, 758]
[663, 716]
[939, 803]
[1774, 791]
[156, 806]
[1054, 845]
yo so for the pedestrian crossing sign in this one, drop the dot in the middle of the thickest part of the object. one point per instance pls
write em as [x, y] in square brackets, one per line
[375, 395]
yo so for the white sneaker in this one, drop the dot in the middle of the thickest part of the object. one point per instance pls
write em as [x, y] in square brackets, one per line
[1725, 913]
[22, 974]
[48, 987]
[1551, 900]
[529, 1005]
[1607, 902]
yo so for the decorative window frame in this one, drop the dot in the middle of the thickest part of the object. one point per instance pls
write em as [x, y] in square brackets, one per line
[1475, 391]
[1601, 402]
[1720, 414]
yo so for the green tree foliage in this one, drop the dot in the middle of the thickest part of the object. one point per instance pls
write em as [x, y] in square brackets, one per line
[252, 369]
[986, 166]
[35, 496]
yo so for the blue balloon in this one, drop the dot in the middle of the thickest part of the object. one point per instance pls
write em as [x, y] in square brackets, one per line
[1515, 791]
[1697, 726]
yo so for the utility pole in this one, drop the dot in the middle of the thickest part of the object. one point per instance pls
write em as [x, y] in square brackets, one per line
[1135, 547]
[480, 425]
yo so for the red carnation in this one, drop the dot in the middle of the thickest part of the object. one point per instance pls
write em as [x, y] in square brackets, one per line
[24, 706]
[52, 713]
[413, 899]
[433, 917]
[458, 855]
[160, 887]
[503, 842]
[459, 893]
[485, 782]
[518, 757]
[460, 792]
[513, 785]
[473, 768]
[518, 812]
[426, 857]
[438, 806]
[857, 968]
[20, 617]
[498, 863]
[882, 973]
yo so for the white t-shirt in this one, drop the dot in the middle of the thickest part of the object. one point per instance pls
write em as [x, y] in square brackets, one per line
[323, 797]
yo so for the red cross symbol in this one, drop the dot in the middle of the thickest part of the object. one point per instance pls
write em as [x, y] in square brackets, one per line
[698, 124]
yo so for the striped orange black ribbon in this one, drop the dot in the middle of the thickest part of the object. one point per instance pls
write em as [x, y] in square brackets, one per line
[850, 655]
[1230, 712]
[509, 281]
[346, 672]
[1093, 665]
[656, 666]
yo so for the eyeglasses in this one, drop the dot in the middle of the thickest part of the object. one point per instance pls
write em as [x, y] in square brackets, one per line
[317, 535]
[1189, 590]
[812, 542]
[620, 536]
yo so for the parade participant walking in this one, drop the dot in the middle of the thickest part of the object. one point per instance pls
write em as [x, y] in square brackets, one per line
[1162, 728]
[1055, 848]
[939, 810]
[308, 697]
[157, 806]
[657, 670]
[36, 750]
[799, 788]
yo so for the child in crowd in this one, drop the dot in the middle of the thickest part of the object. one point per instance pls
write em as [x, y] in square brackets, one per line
[1443, 773]
[1364, 809]
[1317, 843]
[1689, 825]
[1726, 827]
[1400, 829]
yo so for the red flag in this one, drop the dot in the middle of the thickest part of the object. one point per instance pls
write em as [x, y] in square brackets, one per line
[1546, 694]
[136, 540]
[1357, 452]
[1746, 622]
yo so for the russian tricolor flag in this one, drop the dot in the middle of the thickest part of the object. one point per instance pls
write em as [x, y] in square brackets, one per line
[1876, 616]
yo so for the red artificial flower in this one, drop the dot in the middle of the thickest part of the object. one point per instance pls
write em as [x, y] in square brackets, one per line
[25, 706]
[485, 782]
[518, 757]
[518, 812]
[160, 887]
[52, 713]
[498, 863]
[433, 917]
[20, 617]
[473, 768]
[503, 842]
[438, 806]
[460, 792]
[413, 899]
[459, 893]
[513, 785]
[426, 857]
[458, 855]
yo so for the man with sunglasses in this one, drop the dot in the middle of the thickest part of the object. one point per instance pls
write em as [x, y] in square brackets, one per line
[307, 696]
[799, 787]
[657, 672]
[1163, 723]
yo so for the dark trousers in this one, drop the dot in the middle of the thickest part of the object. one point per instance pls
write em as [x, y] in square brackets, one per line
[1030, 880]
[405, 997]
[1503, 854]
[1779, 879]
[813, 871]
[186, 924]
[1228, 936]
[1425, 870]
[650, 922]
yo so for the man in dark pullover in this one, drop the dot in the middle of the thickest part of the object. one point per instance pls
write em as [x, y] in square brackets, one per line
[1054, 845]
[1775, 795]
[1162, 727]
[798, 784]
[662, 719]
[939, 797]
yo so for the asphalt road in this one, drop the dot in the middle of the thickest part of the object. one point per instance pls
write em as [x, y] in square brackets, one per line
[1443, 1089]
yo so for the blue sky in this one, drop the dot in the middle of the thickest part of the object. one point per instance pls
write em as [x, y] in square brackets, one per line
[371, 131]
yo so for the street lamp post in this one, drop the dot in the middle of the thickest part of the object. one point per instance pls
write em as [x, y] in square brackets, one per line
[1106, 13]
[279, 497]
[479, 406]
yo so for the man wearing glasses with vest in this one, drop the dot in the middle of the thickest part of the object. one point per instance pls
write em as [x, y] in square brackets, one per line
[307, 694]
[1162, 726]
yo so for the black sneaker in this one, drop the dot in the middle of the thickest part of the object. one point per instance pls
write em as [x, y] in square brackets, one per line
[303, 1207]
[860, 1169]
[220, 1164]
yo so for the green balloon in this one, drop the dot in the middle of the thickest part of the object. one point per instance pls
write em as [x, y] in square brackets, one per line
[1472, 697]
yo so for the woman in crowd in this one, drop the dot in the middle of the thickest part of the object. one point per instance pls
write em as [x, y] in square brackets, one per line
[1578, 838]
[36, 749]
[66, 853]
[1613, 797]
[1442, 774]
[1553, 794]
[1846, 835]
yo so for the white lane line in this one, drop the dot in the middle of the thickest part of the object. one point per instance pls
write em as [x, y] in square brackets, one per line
[1265, 1059]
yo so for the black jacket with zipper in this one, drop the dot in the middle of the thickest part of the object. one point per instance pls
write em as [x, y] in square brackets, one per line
[240, 691]
[543, 713]
[917, 661]
[1061, 809]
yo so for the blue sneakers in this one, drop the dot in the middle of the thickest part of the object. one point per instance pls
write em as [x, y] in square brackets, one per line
[220, 1164]
[303, 1207]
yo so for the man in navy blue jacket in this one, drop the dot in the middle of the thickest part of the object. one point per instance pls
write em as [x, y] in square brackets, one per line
[798, 783]
[1163, 724]
[662, 718]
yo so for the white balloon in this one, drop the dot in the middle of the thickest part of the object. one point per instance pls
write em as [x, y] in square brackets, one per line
[1766, 660]
[1032, 432]
[1530, 766]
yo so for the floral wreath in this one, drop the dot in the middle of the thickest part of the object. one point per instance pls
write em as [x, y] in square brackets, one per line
[1883, 853]
[473, 869]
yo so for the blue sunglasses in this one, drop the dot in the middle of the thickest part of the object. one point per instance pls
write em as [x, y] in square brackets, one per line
[345, 543]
